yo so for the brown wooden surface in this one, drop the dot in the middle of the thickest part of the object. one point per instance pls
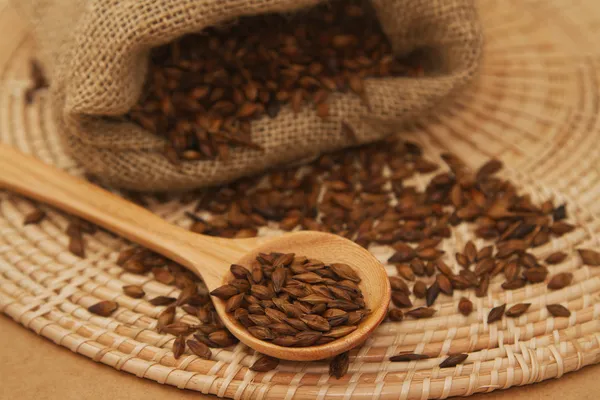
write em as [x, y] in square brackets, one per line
[32, 367]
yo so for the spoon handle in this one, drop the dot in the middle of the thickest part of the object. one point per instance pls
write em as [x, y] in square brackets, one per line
[30, 177]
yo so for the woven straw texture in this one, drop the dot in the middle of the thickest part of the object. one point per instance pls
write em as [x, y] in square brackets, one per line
[535, 105]
[99, 69]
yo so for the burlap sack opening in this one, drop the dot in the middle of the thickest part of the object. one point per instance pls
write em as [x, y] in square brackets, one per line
[95, 54]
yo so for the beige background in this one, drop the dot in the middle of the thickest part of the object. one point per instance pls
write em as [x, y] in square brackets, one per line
[32, 367]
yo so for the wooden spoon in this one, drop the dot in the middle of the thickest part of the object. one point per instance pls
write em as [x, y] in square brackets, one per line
[208, 257]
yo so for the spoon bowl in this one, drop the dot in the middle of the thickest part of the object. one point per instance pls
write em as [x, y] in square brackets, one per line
[328, 248]
[207, 257]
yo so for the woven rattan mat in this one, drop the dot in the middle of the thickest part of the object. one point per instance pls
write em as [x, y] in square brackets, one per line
[535, 106]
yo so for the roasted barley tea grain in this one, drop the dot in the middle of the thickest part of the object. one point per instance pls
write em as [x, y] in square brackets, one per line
[405, 357]
[264, 364]
[558, 310]
[453, 360]
[293, 301]
[496, 314]
[517, 310]
[34, 217]
[134, 291]
[295, 297]
[178, 346]
[104, 308]
[339, 365]
[203, 90]
[465, 306]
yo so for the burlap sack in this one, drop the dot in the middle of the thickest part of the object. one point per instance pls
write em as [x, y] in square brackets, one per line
[95, 55]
